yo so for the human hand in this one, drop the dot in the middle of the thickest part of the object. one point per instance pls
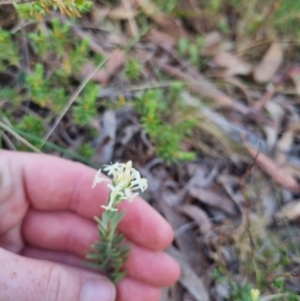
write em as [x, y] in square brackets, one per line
[47, 208]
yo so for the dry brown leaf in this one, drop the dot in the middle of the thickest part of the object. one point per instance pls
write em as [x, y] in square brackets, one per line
[232, 64]
[212, 42]
[211, 198]
[198, 215]
[188, 278]
[115, 62]
[291, 211]
[278, 173]
[157, 37]
[212, 39]
[187, 242]
[269, 64]
[166, 22]
[120, 13]
[277, 113]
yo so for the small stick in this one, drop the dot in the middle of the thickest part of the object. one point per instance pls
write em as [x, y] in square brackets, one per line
[24, 141]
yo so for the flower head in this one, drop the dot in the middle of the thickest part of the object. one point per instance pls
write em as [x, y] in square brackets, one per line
[125, 180]
[99, 179]
[255, 293]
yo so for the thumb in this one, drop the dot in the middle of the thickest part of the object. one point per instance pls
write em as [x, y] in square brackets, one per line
[27, 279]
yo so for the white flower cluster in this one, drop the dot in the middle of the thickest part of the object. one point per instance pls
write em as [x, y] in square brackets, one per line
[255, 293]
[125, 181]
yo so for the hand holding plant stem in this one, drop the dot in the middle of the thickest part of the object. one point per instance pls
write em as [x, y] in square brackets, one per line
[110, 253]
[54, 227]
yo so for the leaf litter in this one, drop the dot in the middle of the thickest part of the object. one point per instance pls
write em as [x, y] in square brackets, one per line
[232, 223]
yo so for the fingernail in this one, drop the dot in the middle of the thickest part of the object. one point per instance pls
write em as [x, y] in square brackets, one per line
[95, 289]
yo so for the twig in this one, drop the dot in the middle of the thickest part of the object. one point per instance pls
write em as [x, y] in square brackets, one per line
[8, 141]
[25, 142]
[72, 99]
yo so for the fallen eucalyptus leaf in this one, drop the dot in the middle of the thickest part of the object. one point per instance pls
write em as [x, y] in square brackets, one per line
[211, 198]
[232, 64]
[278, 173]
[188, 278]
[291, 211]
[198, 215]
[269, 64]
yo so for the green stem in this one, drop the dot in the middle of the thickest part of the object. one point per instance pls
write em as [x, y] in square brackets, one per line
[110, 252]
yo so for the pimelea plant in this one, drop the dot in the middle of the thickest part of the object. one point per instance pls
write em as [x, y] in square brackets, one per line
[110, 253]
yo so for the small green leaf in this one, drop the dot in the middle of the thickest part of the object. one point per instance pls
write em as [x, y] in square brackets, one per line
[116, 255]
[101, 224]
[100, 246]
[92, 265]
[116, 220]
[118, 277]
[106, 217]
[118, 239]
[124, 250]
[94, 256]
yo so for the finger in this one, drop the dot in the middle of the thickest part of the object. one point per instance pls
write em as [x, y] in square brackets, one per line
[62, 257]
[133, 290]
[51, 183]
[65, 231]
[31, 280]
[127, 290]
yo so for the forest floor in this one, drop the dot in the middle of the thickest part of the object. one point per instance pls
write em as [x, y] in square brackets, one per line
[203, 97]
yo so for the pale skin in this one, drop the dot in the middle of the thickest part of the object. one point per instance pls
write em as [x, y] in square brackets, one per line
[47, 208]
